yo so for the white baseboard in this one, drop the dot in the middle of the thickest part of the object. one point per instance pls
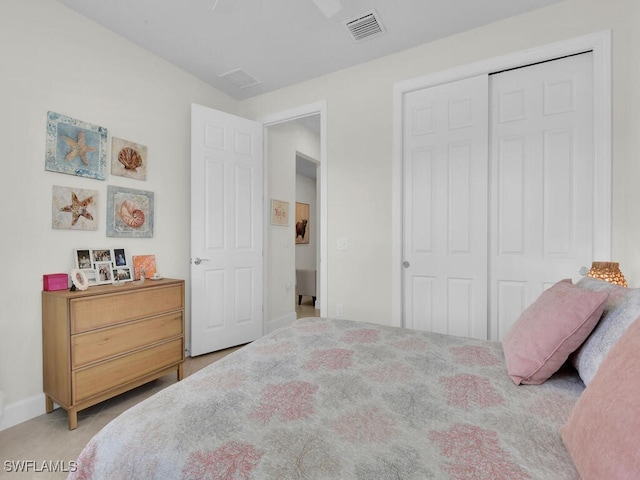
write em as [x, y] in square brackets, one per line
[284, 321]
[21, 411]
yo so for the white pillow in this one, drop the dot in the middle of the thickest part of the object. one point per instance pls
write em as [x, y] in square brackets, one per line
[621, 309]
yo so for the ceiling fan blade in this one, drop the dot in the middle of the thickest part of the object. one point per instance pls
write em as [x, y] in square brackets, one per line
[224, 6]
[328, 7]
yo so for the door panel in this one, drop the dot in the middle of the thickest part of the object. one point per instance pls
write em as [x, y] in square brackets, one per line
[445, 208]
[536, 123]
[226, 230]
[542, 167]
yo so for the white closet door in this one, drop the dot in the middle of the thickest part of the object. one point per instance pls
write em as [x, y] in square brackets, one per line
[542, 178]
[445, 218]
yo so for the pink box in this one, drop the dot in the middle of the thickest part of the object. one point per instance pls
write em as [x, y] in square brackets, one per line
[55, 281]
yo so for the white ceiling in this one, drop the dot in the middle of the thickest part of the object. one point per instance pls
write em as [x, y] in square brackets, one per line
[284, 42]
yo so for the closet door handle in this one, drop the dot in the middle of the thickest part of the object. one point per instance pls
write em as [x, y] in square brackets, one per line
[406, 264]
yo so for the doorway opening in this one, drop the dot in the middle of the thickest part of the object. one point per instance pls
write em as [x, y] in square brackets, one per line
[281, 132]
[306, 234]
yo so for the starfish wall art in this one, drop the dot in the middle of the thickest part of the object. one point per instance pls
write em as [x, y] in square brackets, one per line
[75, 147]
[74, 209]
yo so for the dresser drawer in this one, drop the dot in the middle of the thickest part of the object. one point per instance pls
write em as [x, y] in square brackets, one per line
[99, 378]
[88, 313]
[108, 342]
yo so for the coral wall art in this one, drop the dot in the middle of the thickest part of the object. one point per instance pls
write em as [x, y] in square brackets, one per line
[75, 147]
[74, 209]
[129, 213]
[128, 159]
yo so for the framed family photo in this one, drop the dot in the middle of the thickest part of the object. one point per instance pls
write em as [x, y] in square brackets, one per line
[103, 265]
[82, 257]
[104, 271]
[122, 274]
[119, 257]
[101, 255]
[83, 262]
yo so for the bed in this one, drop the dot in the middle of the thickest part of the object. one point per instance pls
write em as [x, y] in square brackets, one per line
[339, 399]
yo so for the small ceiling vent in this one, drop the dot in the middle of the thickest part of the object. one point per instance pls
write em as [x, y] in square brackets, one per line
[239, 78]
[366, 25]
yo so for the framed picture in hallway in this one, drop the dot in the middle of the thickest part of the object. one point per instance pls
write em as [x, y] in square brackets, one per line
[279, 213]
[302, 223]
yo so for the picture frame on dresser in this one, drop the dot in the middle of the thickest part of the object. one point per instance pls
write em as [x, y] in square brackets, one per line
[122, 274]
[92, 276]
[101, 255]
[104, 271]
[82, 258]
[119, 257]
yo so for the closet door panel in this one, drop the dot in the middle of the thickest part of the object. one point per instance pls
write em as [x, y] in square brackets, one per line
[542, 165]
[445, 181]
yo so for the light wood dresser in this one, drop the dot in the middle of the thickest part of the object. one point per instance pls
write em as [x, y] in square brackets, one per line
[103, 341]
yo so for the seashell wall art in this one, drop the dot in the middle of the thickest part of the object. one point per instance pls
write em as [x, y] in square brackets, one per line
[128, 159]
[129, 212]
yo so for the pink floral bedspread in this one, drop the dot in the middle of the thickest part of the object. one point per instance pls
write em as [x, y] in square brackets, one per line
[337, 399]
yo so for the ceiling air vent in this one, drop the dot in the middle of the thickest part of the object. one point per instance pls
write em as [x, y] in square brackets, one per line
[239, 78]
[364, 26]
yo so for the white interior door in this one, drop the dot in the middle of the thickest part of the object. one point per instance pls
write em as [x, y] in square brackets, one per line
[542, 165]
[226, 230]
[445, 211]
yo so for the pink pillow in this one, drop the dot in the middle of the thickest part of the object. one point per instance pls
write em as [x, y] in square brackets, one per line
[603, 430]
[549, 330]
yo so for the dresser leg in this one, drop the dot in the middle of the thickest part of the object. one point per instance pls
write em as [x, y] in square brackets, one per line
[180, 372]
[48, 403]
[72, 415]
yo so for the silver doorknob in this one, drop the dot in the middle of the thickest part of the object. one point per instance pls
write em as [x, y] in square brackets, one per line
[406, 264]
[198, 261]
